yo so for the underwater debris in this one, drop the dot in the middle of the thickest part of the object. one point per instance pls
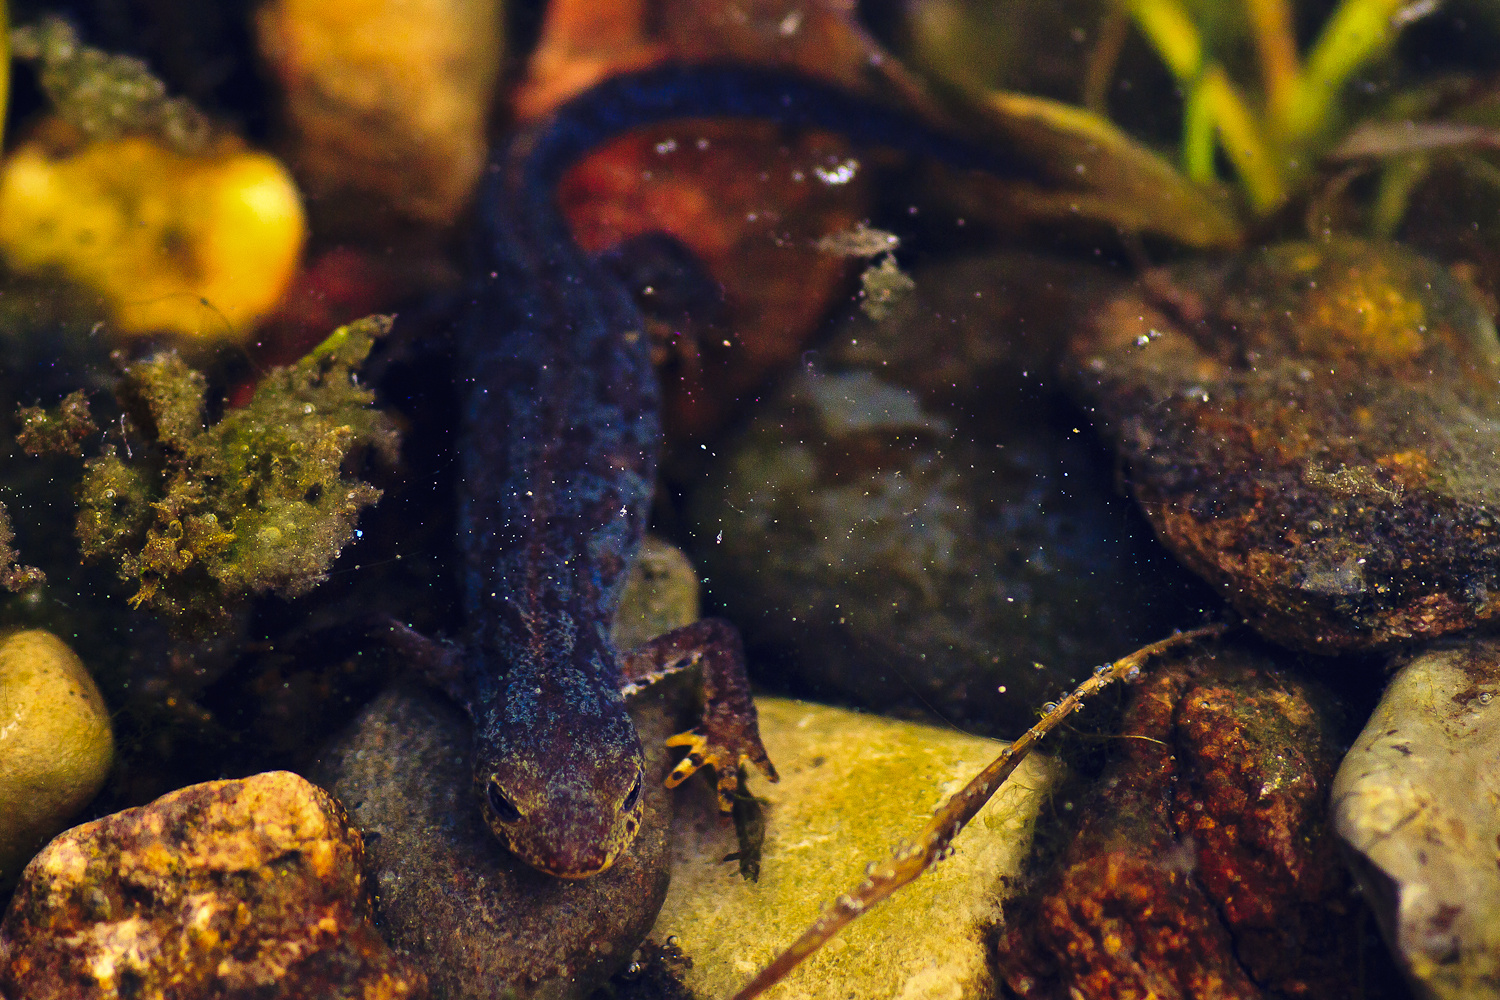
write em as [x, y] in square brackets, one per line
[882, 285]
[911, 858]
[204, 515]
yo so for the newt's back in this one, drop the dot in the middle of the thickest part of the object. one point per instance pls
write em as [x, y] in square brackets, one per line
[558, 459]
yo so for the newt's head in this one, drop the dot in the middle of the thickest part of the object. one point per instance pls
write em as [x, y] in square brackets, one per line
[559, 773]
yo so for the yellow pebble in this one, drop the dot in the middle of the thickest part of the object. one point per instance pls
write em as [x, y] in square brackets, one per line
[199, 246]
[379, 126]
[56, 746]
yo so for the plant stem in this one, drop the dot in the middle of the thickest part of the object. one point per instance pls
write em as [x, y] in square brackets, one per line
[1199, 136]
[1357, 32]
[1276, 45]
[1259, 167]
[1172, 34]
[1398, 179]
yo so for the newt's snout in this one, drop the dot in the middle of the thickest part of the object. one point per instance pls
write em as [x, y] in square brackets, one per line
[566, 832]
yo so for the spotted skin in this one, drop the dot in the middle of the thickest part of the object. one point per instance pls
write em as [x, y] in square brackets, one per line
[559, 450]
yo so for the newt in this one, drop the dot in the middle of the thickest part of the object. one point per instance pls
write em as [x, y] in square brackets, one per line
[558, 456]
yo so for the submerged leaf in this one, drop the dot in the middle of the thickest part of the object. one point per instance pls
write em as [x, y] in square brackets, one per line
[1104, 174]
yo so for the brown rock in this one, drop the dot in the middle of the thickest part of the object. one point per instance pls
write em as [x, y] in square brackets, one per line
[1204, 866]
[1313, 429]
[228, 889]
[916, 520]
[482, 923]
[746, 201]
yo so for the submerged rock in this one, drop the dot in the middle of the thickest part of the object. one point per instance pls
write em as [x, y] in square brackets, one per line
[481, 922]
[56, 744]
[851, 785]
[199, 246]
[1315, 430]
[1203, 866]
[478, 920]
[661, 594]
[230, 889]
[1415, 801]
[919, 523]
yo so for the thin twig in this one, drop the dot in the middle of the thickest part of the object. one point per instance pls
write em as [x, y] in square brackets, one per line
[911, 859]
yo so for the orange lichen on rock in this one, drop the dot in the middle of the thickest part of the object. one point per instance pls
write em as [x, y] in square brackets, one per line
[231, 889]
[1316, 437]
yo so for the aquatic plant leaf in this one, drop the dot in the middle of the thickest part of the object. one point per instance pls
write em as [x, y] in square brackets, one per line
[1102, 173]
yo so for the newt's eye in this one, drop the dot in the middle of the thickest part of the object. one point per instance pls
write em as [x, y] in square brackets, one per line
[505, 811]
[633, 797]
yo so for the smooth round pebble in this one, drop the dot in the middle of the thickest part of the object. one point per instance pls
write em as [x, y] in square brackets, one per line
[56, 745]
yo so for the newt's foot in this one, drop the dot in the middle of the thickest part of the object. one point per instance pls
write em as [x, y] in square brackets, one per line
[724, 751]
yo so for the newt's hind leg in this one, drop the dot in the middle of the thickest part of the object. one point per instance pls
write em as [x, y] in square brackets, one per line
[729, 734]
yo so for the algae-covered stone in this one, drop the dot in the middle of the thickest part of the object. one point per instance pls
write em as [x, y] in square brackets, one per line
[205, 514]
[1314, 429]
[1415, 800]
[851, 786]
[55, 744]
[230, 889]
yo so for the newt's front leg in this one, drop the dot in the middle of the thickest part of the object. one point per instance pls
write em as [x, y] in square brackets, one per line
[729, 734]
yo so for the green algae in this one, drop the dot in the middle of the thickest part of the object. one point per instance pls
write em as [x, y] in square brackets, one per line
[106, 96]
[59, 430]
[202, 515]
[15, 577]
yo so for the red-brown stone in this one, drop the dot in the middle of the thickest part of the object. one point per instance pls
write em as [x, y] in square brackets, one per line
[229, 890]
[1203, 866]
